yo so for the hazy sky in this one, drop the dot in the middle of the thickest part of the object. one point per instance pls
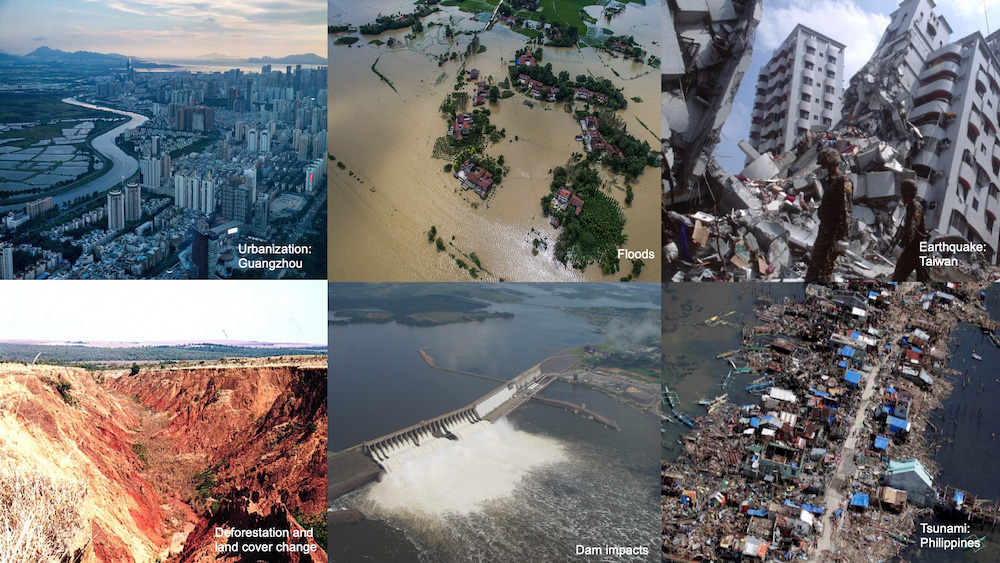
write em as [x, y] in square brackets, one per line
[142, 311]
[166, 29]
[859, 24]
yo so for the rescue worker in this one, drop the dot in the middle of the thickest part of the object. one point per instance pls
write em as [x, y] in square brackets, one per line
[910, 235]
[834, 217]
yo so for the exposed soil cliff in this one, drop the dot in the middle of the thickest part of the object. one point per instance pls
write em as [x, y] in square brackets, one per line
[167, 456]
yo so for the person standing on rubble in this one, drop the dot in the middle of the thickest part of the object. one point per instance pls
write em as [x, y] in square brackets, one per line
[910, 235]
[834, 217]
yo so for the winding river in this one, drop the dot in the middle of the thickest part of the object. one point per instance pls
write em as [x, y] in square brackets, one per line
[122, 165]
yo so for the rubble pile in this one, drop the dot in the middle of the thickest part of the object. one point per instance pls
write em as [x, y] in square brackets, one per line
[830, 465]
[765, 221]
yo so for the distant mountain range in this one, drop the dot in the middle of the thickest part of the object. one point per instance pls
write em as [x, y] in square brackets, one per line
[303, 59]
[48, 55]
[169, 343]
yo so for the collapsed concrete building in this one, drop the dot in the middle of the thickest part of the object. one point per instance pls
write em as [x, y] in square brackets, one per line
[707, 45]
[922, 108]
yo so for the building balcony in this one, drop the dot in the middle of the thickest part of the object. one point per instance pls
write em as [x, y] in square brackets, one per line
[809, 58]
[992, 203]
[966, 175]
[929, 112]
[803, 123]
[925, 162]
[940, 69]
[829, 114]
[933, 131]
[941, 89]
[976, 121]
[811, 42]
[950, 52]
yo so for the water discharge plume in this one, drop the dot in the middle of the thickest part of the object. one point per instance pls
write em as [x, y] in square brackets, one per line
[463, 476]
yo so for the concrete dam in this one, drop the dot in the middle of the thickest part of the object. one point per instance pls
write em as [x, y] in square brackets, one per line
[392, 450]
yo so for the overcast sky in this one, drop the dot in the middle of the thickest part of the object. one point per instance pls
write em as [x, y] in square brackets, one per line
[859, 24]
[143, 311]
[166, 29]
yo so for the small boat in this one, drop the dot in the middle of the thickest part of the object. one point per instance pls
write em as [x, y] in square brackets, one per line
[759, 386]
[977, 357]
[764, 317]
[684, 419]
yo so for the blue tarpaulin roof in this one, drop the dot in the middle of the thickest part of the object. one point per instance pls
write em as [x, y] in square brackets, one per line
[758, 512]
[843, 363]
[915, 349]
[819, 393]
[852, 377]
[846, 351]
[813, 509]
[755, 422]
[860, 499]
[959, 496]
[881, 442]
[872, 295]
[890, 389]
[855, 335]
[896, 424]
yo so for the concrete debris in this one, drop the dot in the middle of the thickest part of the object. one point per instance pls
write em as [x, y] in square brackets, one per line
[703, 63]
[769, 214]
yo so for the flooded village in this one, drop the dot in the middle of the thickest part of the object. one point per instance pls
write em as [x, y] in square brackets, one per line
[837, 459]
[437, 128]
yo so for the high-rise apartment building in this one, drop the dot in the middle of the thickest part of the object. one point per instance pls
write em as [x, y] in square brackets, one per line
[133, 199]
[194, 192]
[956, 99]
[800, 87]
[116, 210]
[6, 261]
[151, 169]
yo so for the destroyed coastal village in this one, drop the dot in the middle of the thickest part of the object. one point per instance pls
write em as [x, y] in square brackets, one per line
[848, 422]
[799, 147]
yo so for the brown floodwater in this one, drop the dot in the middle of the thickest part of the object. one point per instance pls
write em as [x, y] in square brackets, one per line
[392, 190]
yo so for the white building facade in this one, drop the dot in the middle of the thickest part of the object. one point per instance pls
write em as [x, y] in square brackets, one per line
[799, 88]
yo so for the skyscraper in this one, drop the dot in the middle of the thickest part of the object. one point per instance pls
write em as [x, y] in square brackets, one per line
[116, 210]
[204, 252]
[800, 87]
[133, 198]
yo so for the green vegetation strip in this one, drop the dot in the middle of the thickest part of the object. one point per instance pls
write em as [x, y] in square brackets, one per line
[382, 76]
